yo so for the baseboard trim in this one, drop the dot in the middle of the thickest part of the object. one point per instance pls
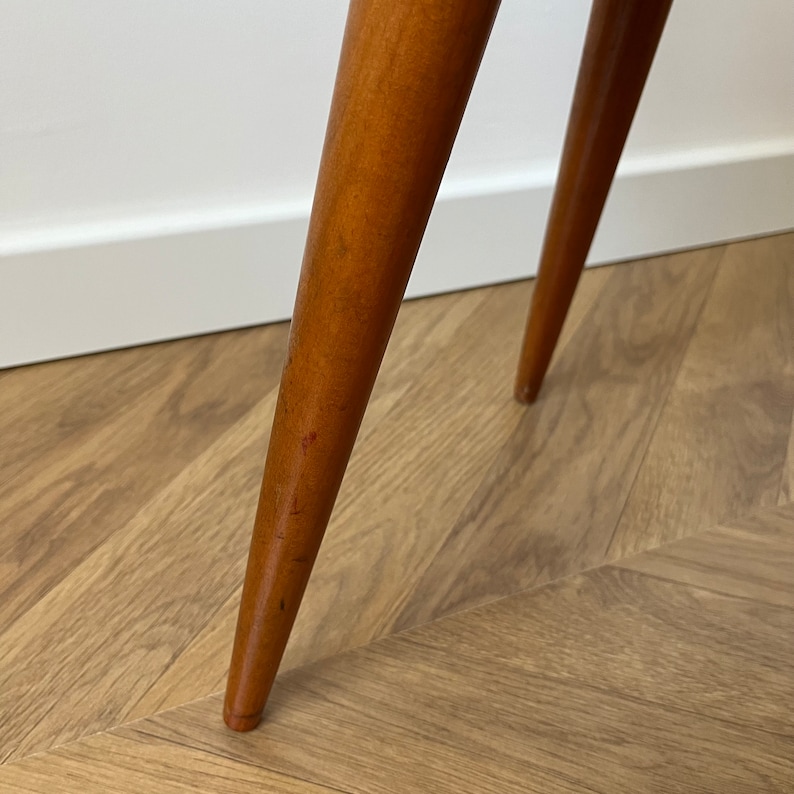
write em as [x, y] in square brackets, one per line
[80, 290]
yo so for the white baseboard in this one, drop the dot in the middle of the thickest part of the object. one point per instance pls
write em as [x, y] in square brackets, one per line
[78, 290]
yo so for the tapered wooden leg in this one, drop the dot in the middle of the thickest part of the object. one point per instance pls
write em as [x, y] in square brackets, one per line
[621, 40]
[404, 78]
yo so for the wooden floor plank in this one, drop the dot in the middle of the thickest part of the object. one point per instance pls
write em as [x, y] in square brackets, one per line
[609, 681]
[78, 659]
[751, 557]
[199, 668]
[720, 446]
[87, 442]
[548, 505]
[107, 764]
[423, 331]
[787, 476]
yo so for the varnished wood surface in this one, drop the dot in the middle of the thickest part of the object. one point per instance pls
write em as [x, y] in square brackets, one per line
[455, 496]
[405, 74]
[620, 43]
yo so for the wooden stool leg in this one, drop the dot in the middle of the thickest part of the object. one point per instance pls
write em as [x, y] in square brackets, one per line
[621, 40]
[404, 77]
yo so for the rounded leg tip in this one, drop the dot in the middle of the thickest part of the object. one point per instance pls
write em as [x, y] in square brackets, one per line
[526, 394]
[241, 722]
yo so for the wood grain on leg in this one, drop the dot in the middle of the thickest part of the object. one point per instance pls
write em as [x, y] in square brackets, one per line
[405, 74]
[622, 37]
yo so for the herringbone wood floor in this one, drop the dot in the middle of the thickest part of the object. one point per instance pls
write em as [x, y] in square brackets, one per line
[592, 594]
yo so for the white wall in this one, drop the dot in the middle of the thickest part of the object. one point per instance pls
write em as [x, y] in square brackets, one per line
[128, 122]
